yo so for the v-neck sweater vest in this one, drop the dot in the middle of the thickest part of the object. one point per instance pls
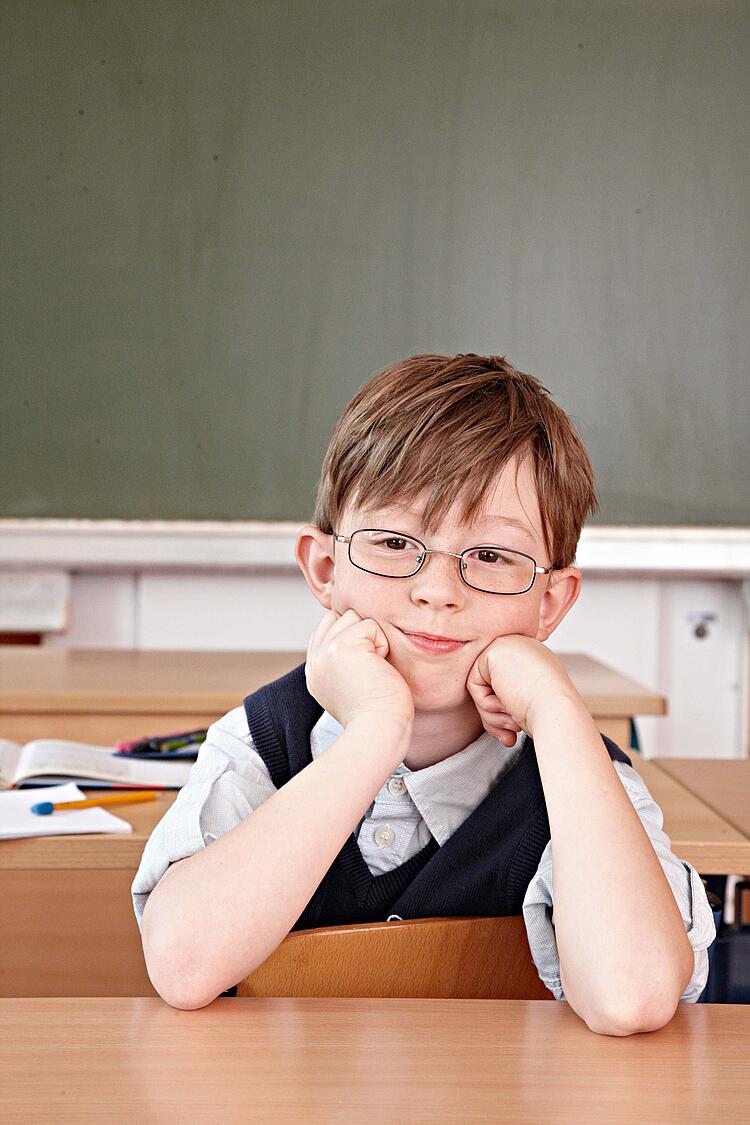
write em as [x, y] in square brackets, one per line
[483, 869]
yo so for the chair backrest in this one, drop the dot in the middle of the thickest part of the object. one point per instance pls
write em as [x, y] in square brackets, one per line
[451, 958]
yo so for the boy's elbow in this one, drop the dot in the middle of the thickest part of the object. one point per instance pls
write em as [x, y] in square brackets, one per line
[628, 1010]
[179, 987]
[630, 1018]
[177, 979]
[184, 997]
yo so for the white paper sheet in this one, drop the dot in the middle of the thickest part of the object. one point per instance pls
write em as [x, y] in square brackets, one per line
[17, 819]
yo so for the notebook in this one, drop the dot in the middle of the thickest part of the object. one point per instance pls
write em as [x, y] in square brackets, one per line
[17, 820]
[48, 761]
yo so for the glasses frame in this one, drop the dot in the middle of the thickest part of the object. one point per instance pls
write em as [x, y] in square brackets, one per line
[427, 551]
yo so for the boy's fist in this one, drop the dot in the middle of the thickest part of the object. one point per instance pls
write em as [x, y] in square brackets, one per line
[511, 680]
[348, 674]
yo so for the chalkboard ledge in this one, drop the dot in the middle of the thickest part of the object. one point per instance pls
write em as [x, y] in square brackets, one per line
[137, 545]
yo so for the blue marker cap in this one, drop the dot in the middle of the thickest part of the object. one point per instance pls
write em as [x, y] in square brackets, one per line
[43, 808]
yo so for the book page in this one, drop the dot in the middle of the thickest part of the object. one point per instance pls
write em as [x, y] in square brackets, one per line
[10, 752]
[76, 759]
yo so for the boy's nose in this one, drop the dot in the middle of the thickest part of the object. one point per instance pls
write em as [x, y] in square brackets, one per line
[439, 580]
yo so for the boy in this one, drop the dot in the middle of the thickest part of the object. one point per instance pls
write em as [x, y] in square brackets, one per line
[432, 756]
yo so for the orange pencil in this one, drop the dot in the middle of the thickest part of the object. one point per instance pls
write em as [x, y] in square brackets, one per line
[43, 808]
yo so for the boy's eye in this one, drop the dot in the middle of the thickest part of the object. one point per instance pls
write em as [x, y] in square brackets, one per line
[392, 544]
[490, 557]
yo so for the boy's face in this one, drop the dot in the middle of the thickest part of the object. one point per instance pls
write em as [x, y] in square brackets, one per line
[436, 601]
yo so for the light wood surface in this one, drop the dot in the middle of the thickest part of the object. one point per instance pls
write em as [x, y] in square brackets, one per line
[104, 695]
[441, 958]
[100, 695]
[80, 884]
[70, 933]
[723, 784]
[697, 832]
[366, 1061]
[122, 680]
[75, 885]
[607, 693]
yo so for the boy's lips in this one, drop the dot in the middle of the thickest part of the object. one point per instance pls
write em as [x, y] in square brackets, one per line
[431, 636]
[430, 643]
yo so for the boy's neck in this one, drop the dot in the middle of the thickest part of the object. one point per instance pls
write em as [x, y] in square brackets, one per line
[437, 735]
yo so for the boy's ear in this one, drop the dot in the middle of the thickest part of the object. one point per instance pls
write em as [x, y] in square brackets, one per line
[314, 553]
[560, 596]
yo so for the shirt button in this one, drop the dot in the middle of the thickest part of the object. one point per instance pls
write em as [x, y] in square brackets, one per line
[384, 836]
[397, 786]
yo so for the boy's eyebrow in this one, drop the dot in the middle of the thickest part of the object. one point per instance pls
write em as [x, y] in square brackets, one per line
[508, 521]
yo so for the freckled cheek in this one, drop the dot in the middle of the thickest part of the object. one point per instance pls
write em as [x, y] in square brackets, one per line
[515, 619]
[351, 593]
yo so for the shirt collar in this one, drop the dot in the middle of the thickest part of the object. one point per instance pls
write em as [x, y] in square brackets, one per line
[447, 792]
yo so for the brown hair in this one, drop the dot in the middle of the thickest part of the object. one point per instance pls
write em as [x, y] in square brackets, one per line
[451, 423]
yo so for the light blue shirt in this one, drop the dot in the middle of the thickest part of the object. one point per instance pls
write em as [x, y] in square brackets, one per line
[230, 779]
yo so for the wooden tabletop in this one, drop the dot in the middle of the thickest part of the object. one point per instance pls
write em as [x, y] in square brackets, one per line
[721, 783]
[706, 806]
[121, 680]
[699, 833]
[124, 1060]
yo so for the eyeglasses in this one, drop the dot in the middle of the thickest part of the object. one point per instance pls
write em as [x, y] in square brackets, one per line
[491, 569]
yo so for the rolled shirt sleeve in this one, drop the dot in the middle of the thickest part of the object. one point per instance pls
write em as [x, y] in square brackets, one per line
[227, 781]
[688, 890]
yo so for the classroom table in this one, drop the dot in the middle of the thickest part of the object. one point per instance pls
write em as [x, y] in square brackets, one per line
[702, 800]
[67, 926]
[320, 1060]
[103, 695]
[723, 786]
[721, 783]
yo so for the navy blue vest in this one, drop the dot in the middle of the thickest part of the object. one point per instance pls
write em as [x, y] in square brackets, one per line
[483, 869]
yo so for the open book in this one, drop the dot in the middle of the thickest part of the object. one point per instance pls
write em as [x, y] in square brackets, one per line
[49, 761]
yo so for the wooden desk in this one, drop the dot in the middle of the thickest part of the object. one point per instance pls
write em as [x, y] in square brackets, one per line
[722, 786]
[104, 695]
[67, 926]
[721, 783]
[328, 1061]
[101, 696]
[706, 806]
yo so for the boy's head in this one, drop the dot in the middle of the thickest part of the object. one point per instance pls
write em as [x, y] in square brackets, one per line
[458, 452]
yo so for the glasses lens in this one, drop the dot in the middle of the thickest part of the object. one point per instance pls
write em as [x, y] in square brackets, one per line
[498, 571]
[385, 552]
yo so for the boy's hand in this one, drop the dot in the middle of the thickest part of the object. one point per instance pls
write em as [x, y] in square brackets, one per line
[348, 674]
[513, 678]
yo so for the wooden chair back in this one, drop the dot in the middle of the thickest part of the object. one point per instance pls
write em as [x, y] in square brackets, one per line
[451, 958]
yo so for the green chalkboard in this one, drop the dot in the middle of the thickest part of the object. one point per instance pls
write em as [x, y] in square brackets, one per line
[219, 219]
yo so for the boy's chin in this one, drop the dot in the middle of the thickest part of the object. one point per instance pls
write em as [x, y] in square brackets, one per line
[435, 693]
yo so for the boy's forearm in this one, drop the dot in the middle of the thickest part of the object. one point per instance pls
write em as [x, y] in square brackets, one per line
[214, 917]
[624, 955]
